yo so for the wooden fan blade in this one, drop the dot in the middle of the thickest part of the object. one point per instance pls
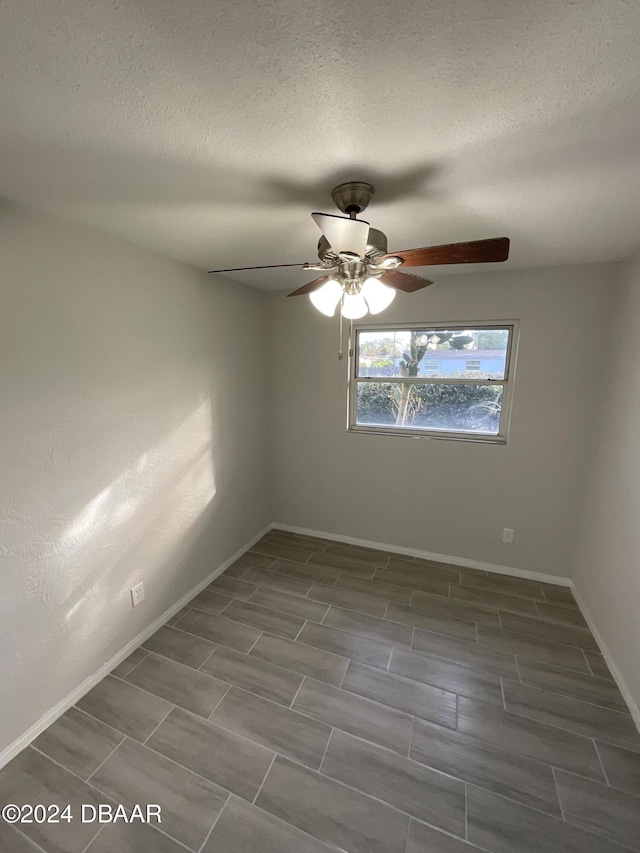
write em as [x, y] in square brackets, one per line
[268, 267]
[309, 288]
[475, 252]
[404, 281]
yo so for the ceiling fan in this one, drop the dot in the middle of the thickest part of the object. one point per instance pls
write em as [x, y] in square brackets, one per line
[359, 273]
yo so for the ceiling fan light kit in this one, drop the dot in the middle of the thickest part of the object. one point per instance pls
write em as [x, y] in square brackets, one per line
[359, 274]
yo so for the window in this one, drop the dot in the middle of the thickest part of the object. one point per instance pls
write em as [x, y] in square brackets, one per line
[415, 380]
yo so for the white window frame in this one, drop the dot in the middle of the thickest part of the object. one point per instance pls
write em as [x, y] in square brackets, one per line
[507, 382]
[473, 361]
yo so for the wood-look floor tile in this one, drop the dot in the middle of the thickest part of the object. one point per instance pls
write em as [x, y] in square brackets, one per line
[233, 587]
[243, 828]
[257, 559]
[213, 752]
[124, 707]
[562, 615]
[306, 571]
[129, 663]
[280, 552]
[481, 763]
[426, 839]
[180, 646]
[572, 715]
[297, 543]
[189, 804]
[588, 688]
[354, 552]
[621, 766]
[355, 714]
[254, 675]
[273, 580]
[361, 602]
[273, 726]
[610, 813]
[434, 586]
[465, 652]
[532, 647]
[177, 616]
[332, 812]
[178, 684]
[78, 742]
[492, 598]
[528, 737]
[305, 537]
[369, 626]
[598, 665]
[237, 569]
[447, 675]
[396, 780]
[32, 779]
[306, 660]
[502, 826]
[435, 605]
[568, 635]
[210, 602]
[219, 630]
[386, 591]
[296, 605]
[342, 643]
[13, 841]
[424, 569]
[264, 619]
[340, 564]
[133, 838]
[412, 697]
[437, 623]
[559, 595]
[506, 585]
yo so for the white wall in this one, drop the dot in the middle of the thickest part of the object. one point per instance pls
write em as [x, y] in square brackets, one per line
[607, 573]
[447, 497]
[132, 395]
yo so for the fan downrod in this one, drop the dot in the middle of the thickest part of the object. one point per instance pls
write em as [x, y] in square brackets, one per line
[352, 197]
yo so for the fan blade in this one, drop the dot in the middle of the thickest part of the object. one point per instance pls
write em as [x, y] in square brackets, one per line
[313, 285]
[268, 267]
[475, 252]
[343, 234]
[404, 281]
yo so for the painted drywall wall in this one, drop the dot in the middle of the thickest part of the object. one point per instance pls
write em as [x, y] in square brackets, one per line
[132, 395]
[448, 497]
[607, 568]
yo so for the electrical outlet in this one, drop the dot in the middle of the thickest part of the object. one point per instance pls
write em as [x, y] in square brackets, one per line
[507, 535]
[137, 594]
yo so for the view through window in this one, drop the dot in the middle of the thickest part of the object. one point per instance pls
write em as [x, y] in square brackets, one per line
[450, 382]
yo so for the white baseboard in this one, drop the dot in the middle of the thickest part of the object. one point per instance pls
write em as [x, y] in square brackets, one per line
[72, 698]
[606, 654]
[428, 555]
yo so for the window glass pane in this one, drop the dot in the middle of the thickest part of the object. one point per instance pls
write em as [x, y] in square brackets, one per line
[451, 408]
[459, 354]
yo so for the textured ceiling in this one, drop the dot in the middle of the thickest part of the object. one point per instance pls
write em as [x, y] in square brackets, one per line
[209, 129]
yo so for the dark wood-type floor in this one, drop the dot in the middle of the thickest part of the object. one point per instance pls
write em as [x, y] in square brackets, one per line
[319, 697]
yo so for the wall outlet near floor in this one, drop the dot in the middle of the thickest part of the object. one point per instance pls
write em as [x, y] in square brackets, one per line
[507, 535]
[137, 594]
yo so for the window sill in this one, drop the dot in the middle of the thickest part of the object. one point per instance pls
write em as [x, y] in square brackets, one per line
[469, 438]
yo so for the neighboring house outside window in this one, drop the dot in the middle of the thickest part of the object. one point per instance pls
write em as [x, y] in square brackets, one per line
[452, 381]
